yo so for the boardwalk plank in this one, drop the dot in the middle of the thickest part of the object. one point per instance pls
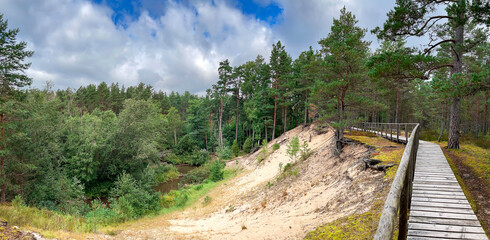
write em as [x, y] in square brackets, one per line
[445, 228]
[447, 235]
[443, 215]
[444, 205]
[442, 209]
[444, 221]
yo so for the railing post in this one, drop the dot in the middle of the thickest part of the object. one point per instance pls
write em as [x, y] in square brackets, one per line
[406, 133]
[397, 133]
[391, 133]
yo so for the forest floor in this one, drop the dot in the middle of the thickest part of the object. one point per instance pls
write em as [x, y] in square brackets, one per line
[471, 165]
[265, 202]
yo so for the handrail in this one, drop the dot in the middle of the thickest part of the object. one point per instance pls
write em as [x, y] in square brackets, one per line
[391, 131]
[398, 201]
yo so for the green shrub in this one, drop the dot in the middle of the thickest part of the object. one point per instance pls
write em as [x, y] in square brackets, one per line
[17, 202]
[199, 157]
[174, 159]
[293, 148]
[196, 176]
[235, 149]
[186, 145]
[247, 145]
[224, 153]
[305, 151]
[216, 171]
[206, 200]
[166, 172]
[264, 152]
[287, 167]
[275, 146]
[175, 198]
[130, 200]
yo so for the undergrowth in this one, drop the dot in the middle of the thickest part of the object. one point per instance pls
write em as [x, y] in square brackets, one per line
[55, 224]
[477, 158]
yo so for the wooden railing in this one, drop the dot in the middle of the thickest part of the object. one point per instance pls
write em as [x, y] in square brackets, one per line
[397, 203]
[397, 132]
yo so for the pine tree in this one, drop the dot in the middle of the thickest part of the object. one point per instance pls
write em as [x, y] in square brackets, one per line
[12, 75]
[344, 52]
[419, 17]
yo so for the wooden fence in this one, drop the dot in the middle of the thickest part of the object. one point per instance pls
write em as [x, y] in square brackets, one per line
[397, 203]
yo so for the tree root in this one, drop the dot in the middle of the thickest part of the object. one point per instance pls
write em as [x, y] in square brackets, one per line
[373, 164]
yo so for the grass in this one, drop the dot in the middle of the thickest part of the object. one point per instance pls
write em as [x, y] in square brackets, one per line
[195, 192]
[364, 225]
[471, 166]
[63, 226]
[43, 219]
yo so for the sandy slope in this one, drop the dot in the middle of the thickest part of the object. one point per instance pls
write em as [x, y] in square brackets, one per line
[325, 188]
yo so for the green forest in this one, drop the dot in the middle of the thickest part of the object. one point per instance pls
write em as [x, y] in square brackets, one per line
[109, 145]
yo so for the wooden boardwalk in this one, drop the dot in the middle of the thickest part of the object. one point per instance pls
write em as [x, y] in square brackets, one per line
[439, 209]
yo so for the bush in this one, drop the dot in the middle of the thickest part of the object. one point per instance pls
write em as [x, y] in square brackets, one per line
[235, 149]
[247, 145]
[166, 172]
[264, 152]
[199, 157]
[275, 146]
[175, 198]
[293, 148]
[305, 151]
[216, 171]
[206, 200]
[186, 145]
[224, 153]
[130, 200]
[196, 176]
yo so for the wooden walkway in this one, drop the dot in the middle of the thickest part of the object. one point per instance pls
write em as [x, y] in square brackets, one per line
[439, 209]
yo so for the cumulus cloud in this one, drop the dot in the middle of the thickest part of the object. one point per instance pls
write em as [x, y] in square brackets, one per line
[172, 45]
[76, 43]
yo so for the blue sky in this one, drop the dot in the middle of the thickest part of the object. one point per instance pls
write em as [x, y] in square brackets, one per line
[174, 45]
[125, 11]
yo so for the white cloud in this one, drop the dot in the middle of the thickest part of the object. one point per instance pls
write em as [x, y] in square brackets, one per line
[76, 43]
[177, 46]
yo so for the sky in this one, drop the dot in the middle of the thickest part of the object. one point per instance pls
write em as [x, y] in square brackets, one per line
[173, 45]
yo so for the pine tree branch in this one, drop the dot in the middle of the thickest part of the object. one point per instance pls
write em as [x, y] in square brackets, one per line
[437, 67]
[427, 51]
[432, 18]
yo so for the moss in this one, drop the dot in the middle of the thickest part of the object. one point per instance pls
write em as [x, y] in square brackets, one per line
[477, 158]
[357, 226]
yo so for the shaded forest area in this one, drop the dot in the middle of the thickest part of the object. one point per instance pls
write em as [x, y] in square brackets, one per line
[62, 147]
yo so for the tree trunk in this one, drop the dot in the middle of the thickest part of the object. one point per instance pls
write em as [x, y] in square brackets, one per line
[477, 111]
[236, 116]
[306, 112]
[454, 125]
[442, 127]
[485, 115]
[220, 122]
[2, 161]
[206, 136]
[397, 108]
[275, 114]
[285, 119]
[265, 133]
[339, 137]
